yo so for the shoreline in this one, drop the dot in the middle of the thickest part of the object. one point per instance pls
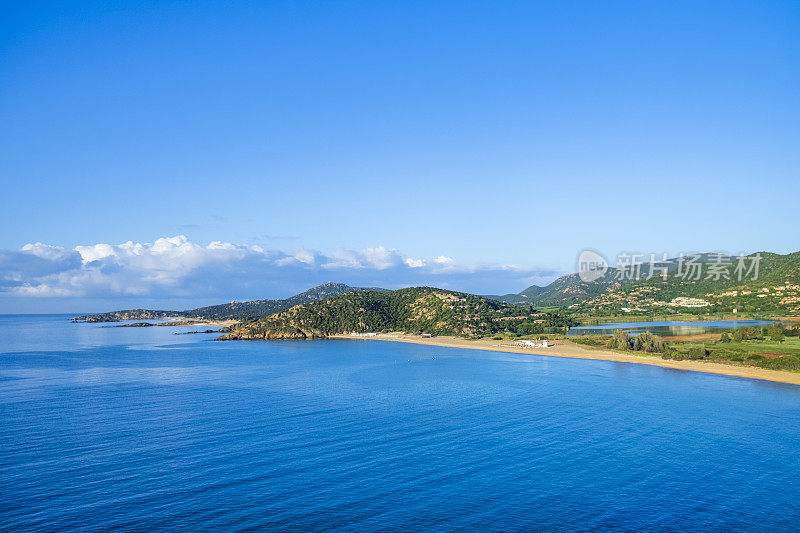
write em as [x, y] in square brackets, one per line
[562, 348]
[198, 322]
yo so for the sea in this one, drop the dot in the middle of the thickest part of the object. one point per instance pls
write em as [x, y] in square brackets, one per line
[139, 429]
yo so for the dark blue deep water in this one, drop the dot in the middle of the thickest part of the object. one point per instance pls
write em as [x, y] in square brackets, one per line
[137, 429]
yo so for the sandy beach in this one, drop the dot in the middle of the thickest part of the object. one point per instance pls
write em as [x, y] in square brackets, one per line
[565, 348]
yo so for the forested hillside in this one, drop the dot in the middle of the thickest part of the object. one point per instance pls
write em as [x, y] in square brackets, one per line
[413, 310]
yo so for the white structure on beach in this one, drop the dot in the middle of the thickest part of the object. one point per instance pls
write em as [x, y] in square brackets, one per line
[373, 334]
[532, 344]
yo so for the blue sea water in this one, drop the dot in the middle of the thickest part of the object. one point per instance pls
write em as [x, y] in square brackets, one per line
[137, 429]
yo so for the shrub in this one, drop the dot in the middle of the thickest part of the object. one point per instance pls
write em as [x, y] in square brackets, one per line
[646, 342]
[725, 337]
[789, 362]
[587, 340]
[696, 352]
[672, 353]
[677, 355]
[620, 340]
[743, 333]
[776, 332]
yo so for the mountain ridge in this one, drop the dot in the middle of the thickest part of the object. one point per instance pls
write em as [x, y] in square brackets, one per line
[413, 309]
[230, 311]
[777, 285]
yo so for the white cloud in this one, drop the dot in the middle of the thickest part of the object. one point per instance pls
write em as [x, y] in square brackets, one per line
[45, 251]
[341, 258]
[172, 267]
[97, 251]
[298, 256]
[43, 290]
[381, 258]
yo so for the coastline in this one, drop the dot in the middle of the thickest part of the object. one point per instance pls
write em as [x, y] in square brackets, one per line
[179, 321]
[563, 348]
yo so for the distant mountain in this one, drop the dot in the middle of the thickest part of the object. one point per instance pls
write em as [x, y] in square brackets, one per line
[563, 292]
[776, 289]
[414, 310]
[128, 314]
[260, 308]
[230, 311]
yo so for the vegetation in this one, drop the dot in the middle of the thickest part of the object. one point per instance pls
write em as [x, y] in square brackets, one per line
[128, 314]
[620, 340]
[774, 347]
[776, 332]
[648, 343]
[776, 290]
[759, 351]
[412, 310]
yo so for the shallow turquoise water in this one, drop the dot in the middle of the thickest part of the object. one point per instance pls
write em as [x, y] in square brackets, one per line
[138, 429]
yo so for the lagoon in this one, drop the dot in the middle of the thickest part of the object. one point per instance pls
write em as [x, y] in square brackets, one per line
[665, 328]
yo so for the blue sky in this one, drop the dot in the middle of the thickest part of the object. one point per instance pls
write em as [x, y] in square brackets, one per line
[504, 136]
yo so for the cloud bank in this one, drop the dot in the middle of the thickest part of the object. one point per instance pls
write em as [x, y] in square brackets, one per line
[174, 267]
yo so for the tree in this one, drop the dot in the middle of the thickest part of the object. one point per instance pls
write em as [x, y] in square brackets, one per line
[725, 337]
[620, 340]
[646, 342]
[696, 352]
[776, 332]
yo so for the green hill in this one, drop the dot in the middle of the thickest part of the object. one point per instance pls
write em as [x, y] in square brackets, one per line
[776, 289]
[260, 308]
[413, 310]
[563, 292]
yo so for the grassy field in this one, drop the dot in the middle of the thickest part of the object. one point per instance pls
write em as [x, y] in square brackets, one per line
[784, 355]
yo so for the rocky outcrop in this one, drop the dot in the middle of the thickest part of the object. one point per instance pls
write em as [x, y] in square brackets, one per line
[128, 314]
[243, 334]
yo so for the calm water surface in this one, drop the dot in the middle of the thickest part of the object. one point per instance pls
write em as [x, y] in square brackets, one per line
[665, 328]
[137, 429]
